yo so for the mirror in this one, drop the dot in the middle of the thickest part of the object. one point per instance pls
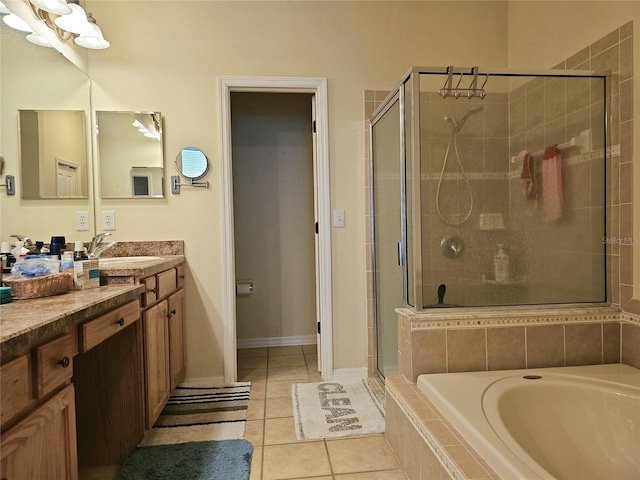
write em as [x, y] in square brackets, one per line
[130, 154]
[53, 154]
[37, 79]
[192, 163]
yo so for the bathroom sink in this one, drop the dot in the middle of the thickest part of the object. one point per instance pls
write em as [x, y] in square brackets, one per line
[125, 261]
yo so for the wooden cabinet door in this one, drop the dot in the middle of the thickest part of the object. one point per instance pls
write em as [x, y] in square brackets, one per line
[176, 338]
[156, 360]
[43, 445]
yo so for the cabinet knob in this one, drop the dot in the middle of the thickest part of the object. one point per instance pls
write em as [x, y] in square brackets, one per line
[64, 362]
[152, 290]
[121, 322]
[171, 313]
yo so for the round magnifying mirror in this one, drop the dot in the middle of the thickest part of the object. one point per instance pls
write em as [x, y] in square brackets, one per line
[192, 163]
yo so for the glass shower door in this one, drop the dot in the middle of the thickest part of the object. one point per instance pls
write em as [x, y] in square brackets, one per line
[388, 280]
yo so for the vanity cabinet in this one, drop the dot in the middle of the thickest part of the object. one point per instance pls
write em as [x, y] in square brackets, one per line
[156, 361]
[163, 325]
[69, 384]
[43, 444]
[38, 393]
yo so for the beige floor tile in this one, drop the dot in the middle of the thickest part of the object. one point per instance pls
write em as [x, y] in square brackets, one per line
[256, 409]
[279, 388]
[254, 432]
[278, 431]
[361, 454]
[324, 477]
[245, 363]
[288, 373]
[252, 374]
[253, 352]
[258, 389]
[279, 407]
[256, 464]
[310, 348]
[287, 350]
[295, 460]
[314, 375]
[287, 361]
[311, 359]
[383, 475]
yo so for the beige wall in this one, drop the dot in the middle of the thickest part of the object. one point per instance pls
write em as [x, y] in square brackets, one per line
[166, 56]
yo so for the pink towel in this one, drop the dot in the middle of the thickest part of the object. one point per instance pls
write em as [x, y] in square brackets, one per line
[529, 177]
[552, 184]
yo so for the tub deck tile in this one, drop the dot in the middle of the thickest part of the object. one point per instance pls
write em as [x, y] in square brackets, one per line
[459, 461]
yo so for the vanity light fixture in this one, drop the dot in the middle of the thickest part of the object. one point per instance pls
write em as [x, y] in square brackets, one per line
[14, 21]
[66, 18]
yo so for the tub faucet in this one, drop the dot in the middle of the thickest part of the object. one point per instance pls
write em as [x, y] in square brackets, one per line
[96, 245]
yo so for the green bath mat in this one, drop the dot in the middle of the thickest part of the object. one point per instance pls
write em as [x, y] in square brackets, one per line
[212, 460]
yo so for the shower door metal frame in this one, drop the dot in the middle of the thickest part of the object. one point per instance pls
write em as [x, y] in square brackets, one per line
[394, 96]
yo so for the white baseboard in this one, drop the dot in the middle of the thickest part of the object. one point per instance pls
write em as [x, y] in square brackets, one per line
[217, 380]
[276, 341]
[346, 373]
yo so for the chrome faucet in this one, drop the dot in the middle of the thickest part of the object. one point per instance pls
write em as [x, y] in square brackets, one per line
[23, 238]
[96, 245]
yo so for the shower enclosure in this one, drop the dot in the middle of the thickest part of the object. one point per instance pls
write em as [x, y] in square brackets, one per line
[488, 189]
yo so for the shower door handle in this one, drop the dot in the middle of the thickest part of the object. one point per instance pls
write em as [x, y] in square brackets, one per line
[400, 254]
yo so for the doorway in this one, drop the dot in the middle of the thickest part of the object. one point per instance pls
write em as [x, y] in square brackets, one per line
[316, 91]
[274, 218]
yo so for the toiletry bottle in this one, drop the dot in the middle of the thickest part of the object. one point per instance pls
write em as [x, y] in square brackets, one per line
[79, 252]
[501, 265]
[67, 266]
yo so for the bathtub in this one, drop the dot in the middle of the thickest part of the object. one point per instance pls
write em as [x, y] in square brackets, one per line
[573, 423]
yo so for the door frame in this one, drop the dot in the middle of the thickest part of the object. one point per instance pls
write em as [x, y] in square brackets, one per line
[318, 87]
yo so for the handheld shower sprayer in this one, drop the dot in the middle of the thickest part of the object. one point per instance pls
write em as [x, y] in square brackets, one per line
[456, 127]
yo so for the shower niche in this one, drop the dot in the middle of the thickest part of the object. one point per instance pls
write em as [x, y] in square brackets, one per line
[510, 165]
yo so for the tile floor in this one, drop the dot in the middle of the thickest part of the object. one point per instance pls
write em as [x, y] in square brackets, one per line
[277, 454]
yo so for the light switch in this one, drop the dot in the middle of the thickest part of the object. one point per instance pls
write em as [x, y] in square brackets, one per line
[338, 218]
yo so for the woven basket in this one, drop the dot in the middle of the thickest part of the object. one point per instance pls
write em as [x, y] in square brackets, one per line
[46, 286]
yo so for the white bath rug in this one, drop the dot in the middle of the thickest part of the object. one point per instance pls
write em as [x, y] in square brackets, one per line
[196, 413]
[336, 409]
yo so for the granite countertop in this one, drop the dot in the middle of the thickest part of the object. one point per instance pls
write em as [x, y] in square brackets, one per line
[139, 268]
[24, 322]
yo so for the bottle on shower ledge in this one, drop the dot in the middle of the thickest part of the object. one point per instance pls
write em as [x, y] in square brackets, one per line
[501, 265]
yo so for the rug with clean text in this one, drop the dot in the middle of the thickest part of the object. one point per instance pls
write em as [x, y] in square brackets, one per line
[336, 409]
[196, 413]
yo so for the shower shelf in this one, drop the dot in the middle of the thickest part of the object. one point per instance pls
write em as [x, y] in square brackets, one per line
[582, 141]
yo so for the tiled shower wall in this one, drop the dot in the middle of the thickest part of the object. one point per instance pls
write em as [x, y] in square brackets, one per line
[613, 53]
[483, 150]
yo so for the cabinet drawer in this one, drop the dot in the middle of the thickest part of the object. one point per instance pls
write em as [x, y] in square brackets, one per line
[179, 276]
[54, 363]
[150, 294]
[166, 282]
[99, 329]
[15, 393]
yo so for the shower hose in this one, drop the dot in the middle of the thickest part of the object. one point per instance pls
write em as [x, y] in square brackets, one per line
[454, 140]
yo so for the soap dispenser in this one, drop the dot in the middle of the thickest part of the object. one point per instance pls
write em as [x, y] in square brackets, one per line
[501, 265]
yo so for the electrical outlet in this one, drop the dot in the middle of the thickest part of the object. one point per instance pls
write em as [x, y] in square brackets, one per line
[338, 218]
[82, 220]
[108, 220]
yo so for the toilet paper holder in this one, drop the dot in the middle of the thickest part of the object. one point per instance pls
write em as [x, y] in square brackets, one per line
[244, 287]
